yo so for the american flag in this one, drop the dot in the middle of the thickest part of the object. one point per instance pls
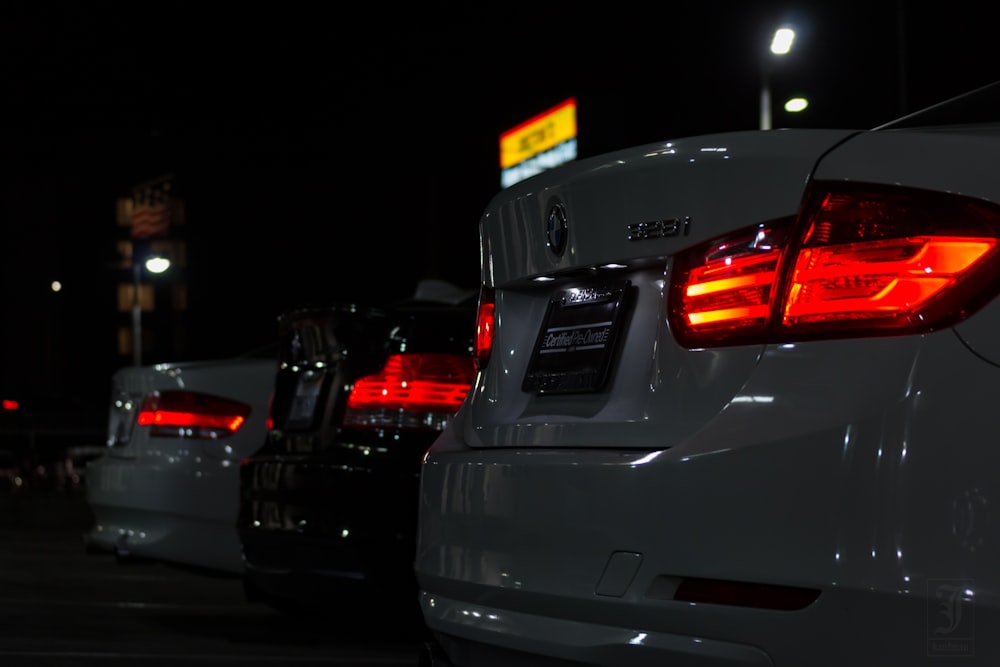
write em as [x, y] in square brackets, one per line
[151, 211]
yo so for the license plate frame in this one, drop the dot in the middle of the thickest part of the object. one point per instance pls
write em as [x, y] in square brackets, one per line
[303, 408]
[577, 340]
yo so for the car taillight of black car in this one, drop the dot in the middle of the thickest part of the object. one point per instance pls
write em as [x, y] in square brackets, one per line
[421, 390]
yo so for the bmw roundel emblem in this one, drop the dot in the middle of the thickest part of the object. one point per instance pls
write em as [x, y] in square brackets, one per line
[556, 229]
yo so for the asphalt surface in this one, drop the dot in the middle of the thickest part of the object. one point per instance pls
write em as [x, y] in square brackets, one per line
[64, 607]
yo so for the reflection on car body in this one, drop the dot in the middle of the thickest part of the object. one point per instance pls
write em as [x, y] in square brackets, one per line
[789, 458]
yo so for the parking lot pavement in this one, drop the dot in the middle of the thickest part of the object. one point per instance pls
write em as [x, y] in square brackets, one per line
[62, 606]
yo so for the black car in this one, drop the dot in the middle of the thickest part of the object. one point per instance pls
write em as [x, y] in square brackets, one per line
[328, 505]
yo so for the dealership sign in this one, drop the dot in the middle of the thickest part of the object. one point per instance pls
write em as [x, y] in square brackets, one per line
[540, 143]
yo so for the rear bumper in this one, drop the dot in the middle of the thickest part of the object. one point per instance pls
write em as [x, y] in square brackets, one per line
[181, 540]
[336, 529]
[576, 554]
[278, 557]
[184, 513]
[547, 642]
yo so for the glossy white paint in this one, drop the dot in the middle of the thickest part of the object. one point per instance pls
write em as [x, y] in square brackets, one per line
[864, 468]
[176, 499]
[721, 182]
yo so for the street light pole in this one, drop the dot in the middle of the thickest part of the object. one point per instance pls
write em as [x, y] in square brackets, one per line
[765, 100]
[781, 44]
[136, 310]
[156, 264]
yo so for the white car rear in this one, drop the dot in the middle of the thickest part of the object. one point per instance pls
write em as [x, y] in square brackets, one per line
[736, 407]
[168, 487]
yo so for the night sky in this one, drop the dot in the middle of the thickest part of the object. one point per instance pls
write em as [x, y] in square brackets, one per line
[328, 154]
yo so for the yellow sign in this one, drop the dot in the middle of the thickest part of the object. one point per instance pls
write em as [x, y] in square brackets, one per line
[539, 134]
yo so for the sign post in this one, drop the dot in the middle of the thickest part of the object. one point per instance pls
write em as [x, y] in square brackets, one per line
[151, 216]
[136, 310]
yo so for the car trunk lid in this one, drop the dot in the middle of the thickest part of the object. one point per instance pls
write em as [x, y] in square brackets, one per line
[577, 263]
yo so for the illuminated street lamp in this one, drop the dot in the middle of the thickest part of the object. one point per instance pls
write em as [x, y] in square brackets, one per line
[781, 44]
[157, 264]
[796, 104]
[154, 264]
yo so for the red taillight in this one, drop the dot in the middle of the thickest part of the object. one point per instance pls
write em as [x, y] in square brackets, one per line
[411, 391]
[9, 404]
[859, 261]
[732, 285]
[269, 423]
[485, 321]
[191, 414]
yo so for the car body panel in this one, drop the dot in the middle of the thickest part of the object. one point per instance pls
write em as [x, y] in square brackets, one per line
[175, 499]
[560, 529]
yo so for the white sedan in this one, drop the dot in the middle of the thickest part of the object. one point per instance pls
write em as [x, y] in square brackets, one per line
[167, 489]
[735, 406]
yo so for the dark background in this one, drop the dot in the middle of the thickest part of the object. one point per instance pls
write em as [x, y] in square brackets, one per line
[328, 152]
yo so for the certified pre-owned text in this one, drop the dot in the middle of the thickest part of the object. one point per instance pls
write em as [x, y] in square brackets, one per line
[584, 337]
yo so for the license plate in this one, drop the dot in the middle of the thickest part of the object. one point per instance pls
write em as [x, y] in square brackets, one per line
[576, 343]
[300, 415]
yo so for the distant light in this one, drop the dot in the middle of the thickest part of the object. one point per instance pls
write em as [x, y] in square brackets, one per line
[9, 404]
[782, 42]
[157, 264]
[796, 104]
[56, 286]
